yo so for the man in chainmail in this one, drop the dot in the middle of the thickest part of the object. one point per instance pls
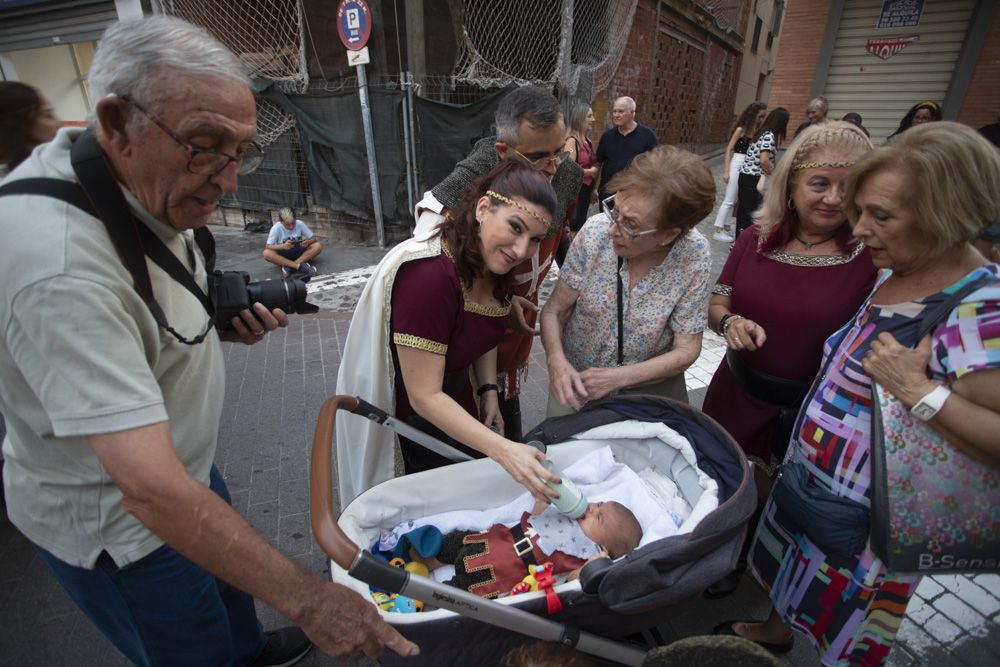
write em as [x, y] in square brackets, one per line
[530, 127]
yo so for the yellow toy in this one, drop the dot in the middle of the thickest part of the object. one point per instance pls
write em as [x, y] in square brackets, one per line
[540, 577]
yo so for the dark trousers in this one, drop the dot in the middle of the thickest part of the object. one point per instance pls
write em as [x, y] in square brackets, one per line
[749, 200]
[163, 609]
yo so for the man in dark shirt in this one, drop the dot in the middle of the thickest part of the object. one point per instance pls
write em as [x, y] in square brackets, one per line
[992, 132]
[622, 142]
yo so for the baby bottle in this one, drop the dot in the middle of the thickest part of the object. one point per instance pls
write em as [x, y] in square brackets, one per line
[570, 501]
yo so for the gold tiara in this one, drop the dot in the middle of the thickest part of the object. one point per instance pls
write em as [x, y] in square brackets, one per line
[511, 202]
[821, 165]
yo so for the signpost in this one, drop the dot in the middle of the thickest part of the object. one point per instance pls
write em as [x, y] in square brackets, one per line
[355, 27]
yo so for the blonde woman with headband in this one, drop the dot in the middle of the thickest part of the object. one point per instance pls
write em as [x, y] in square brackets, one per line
[791, 279]
[430, 318]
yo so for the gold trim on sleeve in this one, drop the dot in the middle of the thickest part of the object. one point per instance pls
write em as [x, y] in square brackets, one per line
[722, 290]
[409, 340]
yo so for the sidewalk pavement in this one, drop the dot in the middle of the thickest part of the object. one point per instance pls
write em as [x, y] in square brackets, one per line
[273, 393]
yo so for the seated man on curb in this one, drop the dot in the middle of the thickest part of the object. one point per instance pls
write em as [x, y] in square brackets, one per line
[291, 245]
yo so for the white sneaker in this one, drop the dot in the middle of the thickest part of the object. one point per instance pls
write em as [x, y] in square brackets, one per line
[724, 236]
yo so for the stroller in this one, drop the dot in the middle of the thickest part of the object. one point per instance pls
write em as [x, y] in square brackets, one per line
[611, 600]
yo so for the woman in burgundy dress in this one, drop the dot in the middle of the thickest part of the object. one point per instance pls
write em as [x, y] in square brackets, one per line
[428, 320]
[794, 278]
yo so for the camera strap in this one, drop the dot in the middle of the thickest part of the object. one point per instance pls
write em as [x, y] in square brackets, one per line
[99, 195]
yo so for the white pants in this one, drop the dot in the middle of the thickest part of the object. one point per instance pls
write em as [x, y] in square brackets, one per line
[722, 219]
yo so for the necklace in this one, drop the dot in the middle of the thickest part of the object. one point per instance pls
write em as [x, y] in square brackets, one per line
[811, 245]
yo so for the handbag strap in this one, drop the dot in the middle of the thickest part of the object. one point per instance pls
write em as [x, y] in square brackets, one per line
[621, 326]
[941, 312]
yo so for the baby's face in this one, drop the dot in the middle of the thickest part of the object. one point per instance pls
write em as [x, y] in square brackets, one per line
[598, 523]
[612, 526]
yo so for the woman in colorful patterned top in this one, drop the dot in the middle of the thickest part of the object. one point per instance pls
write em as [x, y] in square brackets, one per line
[916, 204]
[759, 160]
[645, 248]
[433, 312]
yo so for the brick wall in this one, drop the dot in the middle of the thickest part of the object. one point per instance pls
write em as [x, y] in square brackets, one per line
[683, 93]
[798, 55]
[982, 99]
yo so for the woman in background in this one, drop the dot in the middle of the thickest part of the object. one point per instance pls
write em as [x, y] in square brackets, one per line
[579, 149]
[919, 113]
[736, 149]
[26, 121]
[815, 113]
[759, 161]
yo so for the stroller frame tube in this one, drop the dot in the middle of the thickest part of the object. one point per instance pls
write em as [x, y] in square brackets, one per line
[380, 416]
[365, 567]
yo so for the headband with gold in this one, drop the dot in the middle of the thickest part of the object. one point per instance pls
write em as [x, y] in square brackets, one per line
[821, 165]
[511, 202]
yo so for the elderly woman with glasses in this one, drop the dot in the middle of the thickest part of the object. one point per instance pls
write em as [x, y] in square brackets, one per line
[628, 310]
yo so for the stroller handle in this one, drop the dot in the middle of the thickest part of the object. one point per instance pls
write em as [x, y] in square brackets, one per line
[328, 534]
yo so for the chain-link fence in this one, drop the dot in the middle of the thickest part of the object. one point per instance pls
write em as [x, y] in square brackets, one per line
[315, 160]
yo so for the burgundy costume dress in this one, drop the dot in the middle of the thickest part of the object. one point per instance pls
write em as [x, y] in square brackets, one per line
[431, 312]
[799, 301]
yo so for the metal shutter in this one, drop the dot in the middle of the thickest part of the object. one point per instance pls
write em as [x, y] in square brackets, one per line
[882, 91]
[34, 25]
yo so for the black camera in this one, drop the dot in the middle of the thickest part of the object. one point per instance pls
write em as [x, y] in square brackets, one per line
[232, 291]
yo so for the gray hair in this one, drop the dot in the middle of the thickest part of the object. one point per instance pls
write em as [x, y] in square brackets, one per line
[134, 57]
[629, 102]
[532, 104]
[286, 214]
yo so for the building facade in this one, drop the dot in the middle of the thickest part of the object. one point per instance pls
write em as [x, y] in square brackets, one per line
[880, 57]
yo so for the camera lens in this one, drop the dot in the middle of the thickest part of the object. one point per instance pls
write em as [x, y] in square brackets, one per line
[288, 294]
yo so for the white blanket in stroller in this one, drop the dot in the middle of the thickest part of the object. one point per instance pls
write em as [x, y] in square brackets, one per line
[662, 502]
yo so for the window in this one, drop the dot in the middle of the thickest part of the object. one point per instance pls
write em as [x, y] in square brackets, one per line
[756, 35]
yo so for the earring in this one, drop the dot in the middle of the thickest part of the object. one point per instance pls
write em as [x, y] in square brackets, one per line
[479, 220]
[791, 204]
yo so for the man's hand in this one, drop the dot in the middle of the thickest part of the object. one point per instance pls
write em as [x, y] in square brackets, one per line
[250, 327]
[305, 243]
[518, 319]
[345, 625]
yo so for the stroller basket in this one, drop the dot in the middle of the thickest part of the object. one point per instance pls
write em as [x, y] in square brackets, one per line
[633, 594]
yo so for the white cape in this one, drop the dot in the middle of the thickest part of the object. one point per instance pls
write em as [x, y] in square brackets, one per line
[366, 450]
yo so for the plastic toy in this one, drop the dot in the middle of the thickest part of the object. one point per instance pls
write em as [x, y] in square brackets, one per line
[540, 577]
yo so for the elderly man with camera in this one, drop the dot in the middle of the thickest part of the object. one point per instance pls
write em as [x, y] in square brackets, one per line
[111, 371]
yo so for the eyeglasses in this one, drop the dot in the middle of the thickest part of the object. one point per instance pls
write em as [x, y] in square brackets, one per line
[544, 161]
[628, 227]
[205, 161]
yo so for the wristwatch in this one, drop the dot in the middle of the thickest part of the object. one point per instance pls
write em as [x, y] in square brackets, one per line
[931, 404]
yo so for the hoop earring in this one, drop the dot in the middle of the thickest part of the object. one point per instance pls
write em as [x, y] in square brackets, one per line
[791, 204]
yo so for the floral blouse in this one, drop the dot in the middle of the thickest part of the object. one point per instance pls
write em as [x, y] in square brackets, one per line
[672, 297]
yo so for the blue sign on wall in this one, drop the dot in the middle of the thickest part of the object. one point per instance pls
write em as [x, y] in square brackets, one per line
[354, 23]
[900, 13]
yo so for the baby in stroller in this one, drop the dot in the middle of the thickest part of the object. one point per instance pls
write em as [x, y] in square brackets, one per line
[493, 562]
